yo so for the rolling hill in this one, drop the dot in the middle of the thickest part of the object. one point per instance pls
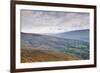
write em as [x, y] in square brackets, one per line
[46, 44]
[77, 35]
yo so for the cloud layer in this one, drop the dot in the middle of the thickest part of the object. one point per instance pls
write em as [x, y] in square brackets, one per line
[33, 21]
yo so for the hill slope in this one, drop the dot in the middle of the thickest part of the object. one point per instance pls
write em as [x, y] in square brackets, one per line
[77, 35]
[49, 44]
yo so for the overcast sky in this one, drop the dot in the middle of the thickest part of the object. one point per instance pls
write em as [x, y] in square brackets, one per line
[42, 22]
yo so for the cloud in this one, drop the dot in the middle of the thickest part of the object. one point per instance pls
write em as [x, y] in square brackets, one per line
[32, 20]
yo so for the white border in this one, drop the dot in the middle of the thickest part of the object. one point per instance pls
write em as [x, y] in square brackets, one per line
[57, 63]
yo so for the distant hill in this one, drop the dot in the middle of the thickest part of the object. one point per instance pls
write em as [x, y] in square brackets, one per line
[76, 35]
[57, 44]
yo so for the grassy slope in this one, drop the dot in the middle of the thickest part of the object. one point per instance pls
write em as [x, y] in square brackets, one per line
[36, 55]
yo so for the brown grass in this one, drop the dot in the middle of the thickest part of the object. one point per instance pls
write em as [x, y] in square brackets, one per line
[37, 55]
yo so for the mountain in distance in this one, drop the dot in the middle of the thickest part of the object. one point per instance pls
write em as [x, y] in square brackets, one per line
[82, 35]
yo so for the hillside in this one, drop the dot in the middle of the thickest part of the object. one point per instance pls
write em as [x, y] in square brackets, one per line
[51, 45]
[37, 55]
[82, 35]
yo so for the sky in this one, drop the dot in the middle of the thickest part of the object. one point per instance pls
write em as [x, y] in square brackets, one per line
[43, 22]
